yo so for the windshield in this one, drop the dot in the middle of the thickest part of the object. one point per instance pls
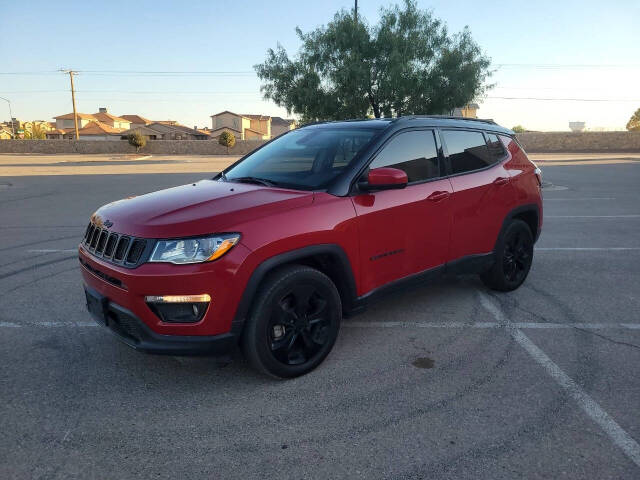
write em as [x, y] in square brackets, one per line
[305, 159]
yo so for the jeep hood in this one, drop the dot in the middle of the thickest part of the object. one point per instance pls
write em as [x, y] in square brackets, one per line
[200, 208]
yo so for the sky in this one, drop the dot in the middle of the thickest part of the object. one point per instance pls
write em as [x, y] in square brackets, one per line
[560, 51]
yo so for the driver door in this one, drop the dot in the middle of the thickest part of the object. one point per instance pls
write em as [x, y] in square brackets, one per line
[405, 231]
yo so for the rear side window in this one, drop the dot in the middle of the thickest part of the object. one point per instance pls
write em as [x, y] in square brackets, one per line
[496, 149]
[467, 150]
[413, 152]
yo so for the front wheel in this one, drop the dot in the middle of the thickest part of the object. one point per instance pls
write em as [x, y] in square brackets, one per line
[513, 257]
[294, 322]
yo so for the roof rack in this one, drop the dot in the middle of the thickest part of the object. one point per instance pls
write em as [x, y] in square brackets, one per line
[448, 117]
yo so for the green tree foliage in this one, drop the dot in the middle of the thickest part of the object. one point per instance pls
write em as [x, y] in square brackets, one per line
[406, 64]
[137, 140]
[227, 139]
[35, 133]
[519, 129]
[633, 125]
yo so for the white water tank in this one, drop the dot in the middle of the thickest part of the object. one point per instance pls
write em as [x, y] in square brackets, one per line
[577, 126]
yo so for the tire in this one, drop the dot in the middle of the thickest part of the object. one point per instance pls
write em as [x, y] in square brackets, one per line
[293, 323]
[514, 254]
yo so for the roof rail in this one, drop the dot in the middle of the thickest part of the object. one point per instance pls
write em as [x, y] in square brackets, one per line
[320, 122]
[448, 117]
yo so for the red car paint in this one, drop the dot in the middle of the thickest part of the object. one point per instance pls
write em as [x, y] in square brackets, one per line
[386, 235]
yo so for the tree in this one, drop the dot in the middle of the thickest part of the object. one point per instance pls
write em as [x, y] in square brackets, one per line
[137, 140]
[519, 129]
[406, 64]
[36, 132]
[633, 125]
[227, 139]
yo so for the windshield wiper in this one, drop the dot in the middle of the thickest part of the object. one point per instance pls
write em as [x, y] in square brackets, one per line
[259, 181]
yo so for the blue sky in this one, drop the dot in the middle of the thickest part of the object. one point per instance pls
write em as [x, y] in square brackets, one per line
[232, 36]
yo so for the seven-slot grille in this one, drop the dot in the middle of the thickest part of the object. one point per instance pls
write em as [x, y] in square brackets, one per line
[115, 247]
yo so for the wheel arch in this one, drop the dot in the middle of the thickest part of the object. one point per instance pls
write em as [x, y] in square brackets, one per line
[329, 259]
[530, 214]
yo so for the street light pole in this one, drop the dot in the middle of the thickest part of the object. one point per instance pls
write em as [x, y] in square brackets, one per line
[355, 16]
[13, 129]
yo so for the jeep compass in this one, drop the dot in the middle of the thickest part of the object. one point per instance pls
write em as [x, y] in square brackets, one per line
[271, 253]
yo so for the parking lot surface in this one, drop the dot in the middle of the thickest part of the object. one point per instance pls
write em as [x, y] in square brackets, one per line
[448, 380]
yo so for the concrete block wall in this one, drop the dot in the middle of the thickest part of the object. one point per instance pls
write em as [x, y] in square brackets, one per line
[534, 142]
[157, 147]
[580, 142]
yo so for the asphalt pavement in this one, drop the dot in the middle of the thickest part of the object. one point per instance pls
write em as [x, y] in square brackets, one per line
[449, 380]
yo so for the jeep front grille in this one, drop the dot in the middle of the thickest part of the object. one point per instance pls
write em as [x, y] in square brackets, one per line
[115, 247]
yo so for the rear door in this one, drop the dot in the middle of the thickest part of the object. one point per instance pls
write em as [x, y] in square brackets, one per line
[405, 231]
[482, 190]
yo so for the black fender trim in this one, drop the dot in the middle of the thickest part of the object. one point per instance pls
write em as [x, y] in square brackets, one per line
[346, 283]
[531, 207]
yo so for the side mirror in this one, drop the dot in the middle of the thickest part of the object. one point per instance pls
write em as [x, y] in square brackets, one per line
[385, 178]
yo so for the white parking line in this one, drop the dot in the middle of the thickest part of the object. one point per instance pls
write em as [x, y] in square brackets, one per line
[592, 216]
[585, 249]
[358, 324]
[615, 432]
[48, 324]
[53, 250]
[484, 325]
[546, 199]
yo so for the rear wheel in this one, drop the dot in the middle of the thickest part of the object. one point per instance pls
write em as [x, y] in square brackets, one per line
[514, 254]
[294, 322]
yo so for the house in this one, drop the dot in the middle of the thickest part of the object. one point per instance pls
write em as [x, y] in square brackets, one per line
[57, 133]
[281, 125]
[243, 127]
[470, 110]
[66, 121]
[136, 120]
[103, 116]
[166, 131]
[95, 131]
[5, 133]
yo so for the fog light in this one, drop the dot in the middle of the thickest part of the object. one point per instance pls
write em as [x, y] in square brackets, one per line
[177, 298]
[179, 308]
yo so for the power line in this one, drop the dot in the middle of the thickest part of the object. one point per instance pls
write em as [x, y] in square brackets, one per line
[568, 99]
[118, 73]
[141, 92]
[255, 93]
[251, 72]
[567, 65]
[44, 72]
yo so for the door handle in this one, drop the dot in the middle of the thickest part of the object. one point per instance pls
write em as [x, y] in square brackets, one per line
[438, 196]
[501, 181]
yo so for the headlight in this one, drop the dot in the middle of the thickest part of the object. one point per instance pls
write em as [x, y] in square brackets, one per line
[194, 250]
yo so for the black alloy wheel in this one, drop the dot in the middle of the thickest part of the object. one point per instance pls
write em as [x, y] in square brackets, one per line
[294, 322]
[517, 257]
[513, 257]
[299, 325]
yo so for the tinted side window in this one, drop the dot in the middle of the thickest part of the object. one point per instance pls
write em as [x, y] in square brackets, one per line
[413, 152]
[496, 149]
[467, 150]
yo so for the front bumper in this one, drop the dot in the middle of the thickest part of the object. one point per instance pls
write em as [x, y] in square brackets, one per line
[133, 331]
[127, 288]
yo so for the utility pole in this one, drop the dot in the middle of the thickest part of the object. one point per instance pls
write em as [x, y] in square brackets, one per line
[13, 128]
[355, 15]
[73, 100]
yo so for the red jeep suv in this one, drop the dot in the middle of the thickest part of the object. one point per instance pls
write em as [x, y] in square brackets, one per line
[276, 249]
